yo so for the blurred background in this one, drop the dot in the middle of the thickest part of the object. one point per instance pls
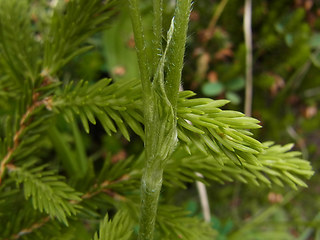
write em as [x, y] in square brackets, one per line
[286, 93]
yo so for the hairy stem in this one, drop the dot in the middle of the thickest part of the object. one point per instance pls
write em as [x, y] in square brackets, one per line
[159, 101]
[152, 178]
[157, 33]
[150, 190]
[141, 47]
[160, 141]
[176, 50]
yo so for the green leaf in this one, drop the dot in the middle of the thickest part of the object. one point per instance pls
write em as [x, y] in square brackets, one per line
[212, 89]
[314, 41]
[120, 55]
[235, 84]
[289, 39]
[233, 97]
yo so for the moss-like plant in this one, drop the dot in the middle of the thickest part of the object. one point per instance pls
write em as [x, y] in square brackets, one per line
[41, 198]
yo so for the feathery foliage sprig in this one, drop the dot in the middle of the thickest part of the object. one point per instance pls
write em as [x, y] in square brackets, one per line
[19, 47]
[118, 228]
[116, 104]
[48, 191]
[219, 132]
[277, 165]
[70, 28]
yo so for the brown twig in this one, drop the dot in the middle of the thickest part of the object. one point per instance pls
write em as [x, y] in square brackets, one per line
[30, 229]
[103, 188]
[22, 125]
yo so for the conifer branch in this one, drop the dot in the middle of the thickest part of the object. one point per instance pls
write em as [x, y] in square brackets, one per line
[277, 165]
[181, 169]
[105, 102]
[216, 132]
[97, 189]
[47, 190]
[23, 124]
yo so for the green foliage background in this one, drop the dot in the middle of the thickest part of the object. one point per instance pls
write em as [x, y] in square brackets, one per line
[285, 99]
[286, 37]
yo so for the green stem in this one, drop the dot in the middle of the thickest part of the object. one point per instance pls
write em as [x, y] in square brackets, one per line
[150, 190]
[151, 181]
[141, 47]
[157, 33]
[160, 141]
[159, 103]
[176, 50]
